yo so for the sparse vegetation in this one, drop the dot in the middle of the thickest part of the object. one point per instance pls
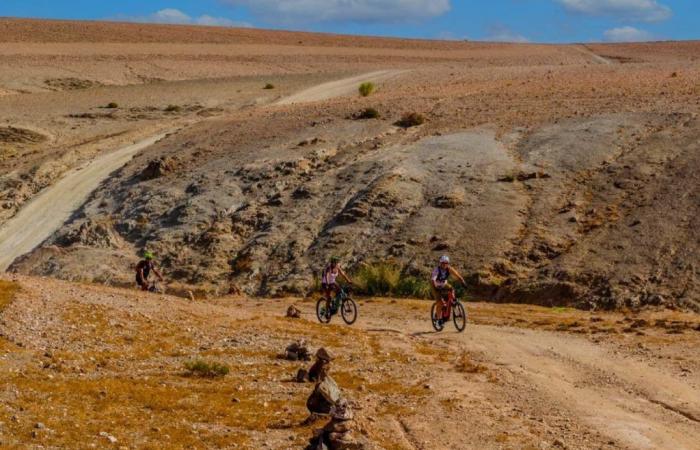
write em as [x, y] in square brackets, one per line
[386, 279]
[112, 105]
[269, 86]
[204, 369]
[367, 89]
[173, 108]
[368, 113]
[7, 293]
[411, 120]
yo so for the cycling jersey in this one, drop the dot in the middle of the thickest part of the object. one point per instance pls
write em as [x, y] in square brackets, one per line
[440, 276]
[330, 275]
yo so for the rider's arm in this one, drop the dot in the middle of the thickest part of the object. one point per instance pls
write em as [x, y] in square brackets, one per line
[458, 275]
[433, 278]
[344, 275]
[158, 274]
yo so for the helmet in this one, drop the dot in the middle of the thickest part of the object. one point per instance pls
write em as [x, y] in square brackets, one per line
[444, 259]
[147, 256]
[335, 259]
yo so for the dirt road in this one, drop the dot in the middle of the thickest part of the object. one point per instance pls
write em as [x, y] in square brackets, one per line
[627, 399]
[338, 88]
[53, 206]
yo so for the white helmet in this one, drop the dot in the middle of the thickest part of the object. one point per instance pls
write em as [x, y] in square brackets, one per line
[444, 259]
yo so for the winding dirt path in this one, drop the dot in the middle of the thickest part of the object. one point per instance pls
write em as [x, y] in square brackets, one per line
[43, 215]
[339, 88]
[50, 209]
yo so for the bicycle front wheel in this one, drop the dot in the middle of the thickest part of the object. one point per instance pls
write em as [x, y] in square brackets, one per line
[348, 311]
[459, 316]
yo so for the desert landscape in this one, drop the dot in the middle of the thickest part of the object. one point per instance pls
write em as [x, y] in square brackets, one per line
[561, 179]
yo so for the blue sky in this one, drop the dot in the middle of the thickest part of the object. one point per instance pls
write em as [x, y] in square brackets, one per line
[503, 20]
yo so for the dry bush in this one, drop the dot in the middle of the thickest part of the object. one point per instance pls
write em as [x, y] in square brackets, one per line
[366, 89]
[368, 113]
[411, 120]
[204, 369]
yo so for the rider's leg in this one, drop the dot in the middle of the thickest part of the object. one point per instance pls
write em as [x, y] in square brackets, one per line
[438, 302]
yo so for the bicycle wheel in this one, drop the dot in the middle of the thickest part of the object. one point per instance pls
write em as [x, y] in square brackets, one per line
[348, 310]
[459, 316]
[435, 319]
[322, 313]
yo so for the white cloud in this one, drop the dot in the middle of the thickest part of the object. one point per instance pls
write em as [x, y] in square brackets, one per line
[176, 17]
[310, 11]
[501, 33]
[640, 10]
[627, 34]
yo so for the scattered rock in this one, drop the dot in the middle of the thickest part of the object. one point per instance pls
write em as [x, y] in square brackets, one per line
[449, 201]
[297, 351]
[293, 312]
[158, 168]
[108, 436]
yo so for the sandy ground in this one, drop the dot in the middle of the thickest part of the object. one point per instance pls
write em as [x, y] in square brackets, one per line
[88, 362]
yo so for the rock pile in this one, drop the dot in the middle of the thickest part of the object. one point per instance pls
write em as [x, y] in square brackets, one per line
[321, 367]
[297, 351]
[319, 370]
[340, 432]
[325, 396]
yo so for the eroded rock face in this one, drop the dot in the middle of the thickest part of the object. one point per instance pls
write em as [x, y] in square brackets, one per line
[582, 221]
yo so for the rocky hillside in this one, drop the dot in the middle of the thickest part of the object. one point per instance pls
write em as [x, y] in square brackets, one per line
[557, 180]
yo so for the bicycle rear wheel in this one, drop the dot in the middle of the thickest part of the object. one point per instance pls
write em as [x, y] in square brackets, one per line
[437, 325]
[322, 312]
[348, 310]
[459, 316]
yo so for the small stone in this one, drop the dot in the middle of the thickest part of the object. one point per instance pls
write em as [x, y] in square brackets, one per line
[293, 312]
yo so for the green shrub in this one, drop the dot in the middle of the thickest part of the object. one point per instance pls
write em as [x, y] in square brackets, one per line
[173, 108]
[112, 106]
[388, 279]
[204, 369]
[411, 120]
[378, 279]
[413, 287]
[368, 113]
[366, 89]
[269, 86]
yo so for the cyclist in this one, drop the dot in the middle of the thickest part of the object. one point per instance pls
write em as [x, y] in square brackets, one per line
[143, 271]
[329, 283]
[441, 286]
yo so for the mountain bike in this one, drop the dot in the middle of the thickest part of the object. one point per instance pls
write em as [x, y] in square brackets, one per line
[342, 303]
[452, 308]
